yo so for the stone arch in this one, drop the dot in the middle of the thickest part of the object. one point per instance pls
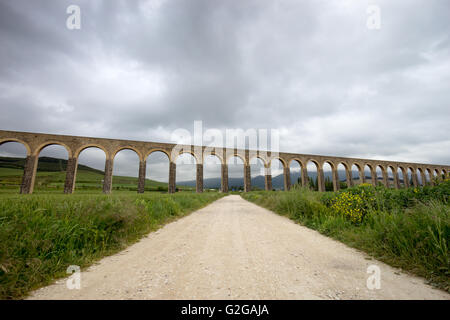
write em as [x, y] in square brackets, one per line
[215, 164]
[297, 178]
[115, 152]
[211, 152]
[26, 145]
[392, 176]
[236, 183]
[236, 155]
[404, 181]
[381, 178]
[371, 171]
[44, 176]
[359, 172]
[44, 145]
[284, 172]
[117, 163]
[435, 175]
[259, 169]
[331, 163]
[157, 150]
[194, 164]
[283, 162]
[347, 176]
[76, 183]
[315, 183]
[256, 158]
[17, 150]
[78, 151]
[316, 162]
[428, 176]
[411, 176]
[197, 160]
[330, 183]
[151, 162]
[420, 177]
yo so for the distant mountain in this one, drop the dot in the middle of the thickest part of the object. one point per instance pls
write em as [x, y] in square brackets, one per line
[258, 181]
[277, 181]
[48, 164]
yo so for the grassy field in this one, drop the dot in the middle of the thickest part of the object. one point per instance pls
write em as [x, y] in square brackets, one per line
[11, 178]
[42, 234]
[406, 228]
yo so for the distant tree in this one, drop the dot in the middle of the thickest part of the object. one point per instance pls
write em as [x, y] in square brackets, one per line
[313, 183]
[328, 184]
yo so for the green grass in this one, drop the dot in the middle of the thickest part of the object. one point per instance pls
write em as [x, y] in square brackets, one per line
[408, 228]
[11, 178]
[42, 234]
[51, 175]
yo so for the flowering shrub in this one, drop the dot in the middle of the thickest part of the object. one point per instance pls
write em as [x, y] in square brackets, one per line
[354, 203]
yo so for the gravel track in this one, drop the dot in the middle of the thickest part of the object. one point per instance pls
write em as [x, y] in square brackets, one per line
[233, 249]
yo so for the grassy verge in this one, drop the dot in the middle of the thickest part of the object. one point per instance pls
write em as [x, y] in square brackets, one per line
[408, 228]
[41, 235]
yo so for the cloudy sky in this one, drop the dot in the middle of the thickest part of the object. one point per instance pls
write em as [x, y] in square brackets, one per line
[311, 69]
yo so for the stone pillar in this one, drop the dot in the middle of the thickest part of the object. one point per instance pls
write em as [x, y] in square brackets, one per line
[172, 177]
[385, 178]
[247, 178]
[405, 178]
[71, 175]
[374, 176]
[287, 178]
[320, 180]
[29, 175]
[199, 178]
[336, 184]
[224, 180]
[396, 181]
[439, 176]
[305, 180]
[430, 173]
[142, 172]
[414, 179]
[362, 176]
[424, 177]
[107, 181]
[268, 179]
[348, 175]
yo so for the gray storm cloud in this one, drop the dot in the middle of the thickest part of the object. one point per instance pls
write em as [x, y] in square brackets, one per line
[311, 69]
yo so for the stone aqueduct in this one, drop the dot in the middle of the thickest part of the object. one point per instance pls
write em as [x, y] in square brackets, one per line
[35, 142]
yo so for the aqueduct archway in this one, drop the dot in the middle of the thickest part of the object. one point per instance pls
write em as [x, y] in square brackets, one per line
[377, 169]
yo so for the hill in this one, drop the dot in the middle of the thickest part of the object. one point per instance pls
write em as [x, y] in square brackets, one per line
[277, 181]
[51, 175]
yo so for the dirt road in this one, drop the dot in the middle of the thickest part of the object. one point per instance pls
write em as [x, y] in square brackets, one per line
[233, 249]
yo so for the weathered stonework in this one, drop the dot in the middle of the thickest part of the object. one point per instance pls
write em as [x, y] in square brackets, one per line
[141, 176]
[199, 178]
[35, 142]
[224, 178]
[287, 177]
[247, 178]
[71, 174]
[172, 177]
[107, 181]
[268, 178]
